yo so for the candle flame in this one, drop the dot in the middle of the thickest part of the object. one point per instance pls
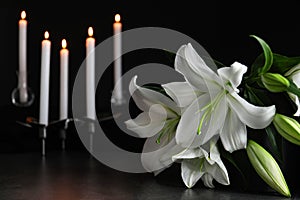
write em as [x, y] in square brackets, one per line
[117, 18]
[46, 35]
[23, 14]
[64, 43]
[90, 31]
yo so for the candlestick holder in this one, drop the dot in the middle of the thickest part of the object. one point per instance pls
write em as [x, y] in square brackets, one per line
[43, 136]
[90, 124]
[61, 125]
[41, 130]
[22, 95]
[17, 100]
[63, 136]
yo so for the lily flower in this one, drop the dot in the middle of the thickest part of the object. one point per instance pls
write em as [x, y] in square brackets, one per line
[219, 110]
[158, 111]
[294, 75]
[157, 123]
[202, 162]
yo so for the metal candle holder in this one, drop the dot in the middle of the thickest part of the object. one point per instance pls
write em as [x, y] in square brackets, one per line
[91, 126]
[62, 125]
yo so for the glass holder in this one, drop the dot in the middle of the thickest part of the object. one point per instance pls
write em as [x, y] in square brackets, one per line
[22, 95]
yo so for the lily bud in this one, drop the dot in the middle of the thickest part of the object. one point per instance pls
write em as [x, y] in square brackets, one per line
[288, 128]
[275, 82]
[267, 168]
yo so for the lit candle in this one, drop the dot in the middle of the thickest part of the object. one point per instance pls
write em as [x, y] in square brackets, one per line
[117, 27]
[22, 58]
[90, 75]
[64, 62]
[45, 74]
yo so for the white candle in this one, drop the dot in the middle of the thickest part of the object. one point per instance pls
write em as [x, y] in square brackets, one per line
[45, 74]
[22, 58]
[117, 27]
[90, 75]
[64, 68]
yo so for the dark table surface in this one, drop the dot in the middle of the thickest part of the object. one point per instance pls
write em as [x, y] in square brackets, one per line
[74, 174]
[77, 175]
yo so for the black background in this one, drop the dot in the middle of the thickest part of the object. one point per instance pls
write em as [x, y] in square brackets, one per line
[222, 28]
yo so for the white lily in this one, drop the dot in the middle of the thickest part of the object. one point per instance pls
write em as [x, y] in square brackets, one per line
[158, 111]
[202, 162]
[294, 75]
[158, 123]
[219, 109]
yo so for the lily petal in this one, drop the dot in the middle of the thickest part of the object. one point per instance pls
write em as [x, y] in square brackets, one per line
[214, 153]
[294, 74]
[218, 172]
[216, 121]
[207, 147]
[217, 169]
[193, 76]
[234, 74]
[153, 153]
[198, 65]
[190, 171]
[147, 124]
[293, 70]
[190, 154]
[181, 92]
[168, 156]
[207, 180]
[221, 175]
[186, 133]
[296, 78]
[144, 98]
[234, 133]
[295, 99]
[255, 117]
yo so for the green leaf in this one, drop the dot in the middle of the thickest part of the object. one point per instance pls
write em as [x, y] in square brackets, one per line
[267, 168]
[268, 55]
[257, 96]
[253, 98]
[281, 64]
[272, 139]
[228, 156]
[257, 64]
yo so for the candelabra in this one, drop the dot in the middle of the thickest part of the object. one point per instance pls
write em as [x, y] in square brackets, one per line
[42, 130]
